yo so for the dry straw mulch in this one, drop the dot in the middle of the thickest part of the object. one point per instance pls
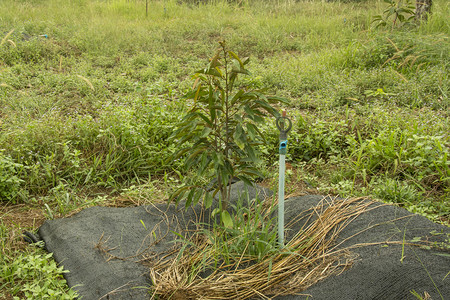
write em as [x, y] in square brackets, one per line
[311, 255]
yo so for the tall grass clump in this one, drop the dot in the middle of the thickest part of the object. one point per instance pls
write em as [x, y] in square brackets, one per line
[124, 144]
[438, 21]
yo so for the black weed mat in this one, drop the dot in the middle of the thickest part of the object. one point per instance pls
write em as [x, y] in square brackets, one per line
[103, 249]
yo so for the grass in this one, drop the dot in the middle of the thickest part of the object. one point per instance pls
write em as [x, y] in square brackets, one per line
[91, 90]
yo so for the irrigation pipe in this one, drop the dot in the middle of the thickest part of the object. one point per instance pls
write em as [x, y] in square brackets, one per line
[284, 125]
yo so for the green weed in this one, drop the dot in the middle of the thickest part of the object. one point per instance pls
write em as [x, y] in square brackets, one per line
[34, 276]
[10, 182]
[393, 191]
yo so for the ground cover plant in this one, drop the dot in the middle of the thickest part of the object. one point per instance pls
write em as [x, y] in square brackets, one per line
[91, 91]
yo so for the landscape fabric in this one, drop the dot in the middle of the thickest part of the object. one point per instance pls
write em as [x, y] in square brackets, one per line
[107, 249]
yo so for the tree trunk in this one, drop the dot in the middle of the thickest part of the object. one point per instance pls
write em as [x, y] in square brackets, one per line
[423, 9]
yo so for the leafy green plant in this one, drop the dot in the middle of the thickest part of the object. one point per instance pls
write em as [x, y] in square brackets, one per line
[403, 153]
[394, 191]
[220, 131]
[379, 93]
[9, 180]
[316, 139]
[35, 276]
[398, 12]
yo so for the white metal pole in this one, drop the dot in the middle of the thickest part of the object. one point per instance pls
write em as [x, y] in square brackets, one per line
[281, 200]
[284, 124]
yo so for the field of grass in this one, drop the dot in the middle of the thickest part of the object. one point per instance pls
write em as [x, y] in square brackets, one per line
[91, 90]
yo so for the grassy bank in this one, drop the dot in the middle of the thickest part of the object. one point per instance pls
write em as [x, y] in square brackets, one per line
[90, 92]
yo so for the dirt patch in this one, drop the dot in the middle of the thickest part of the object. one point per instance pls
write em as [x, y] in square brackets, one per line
[18, 218]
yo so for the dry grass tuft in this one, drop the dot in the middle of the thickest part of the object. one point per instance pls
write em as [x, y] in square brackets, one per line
[6, 85]
[87, 81]
[5, 38]
[308, 257]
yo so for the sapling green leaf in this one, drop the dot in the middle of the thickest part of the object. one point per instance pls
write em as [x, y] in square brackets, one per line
[226, 219]
[221, 128]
